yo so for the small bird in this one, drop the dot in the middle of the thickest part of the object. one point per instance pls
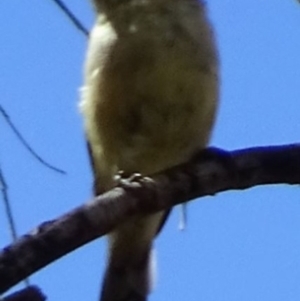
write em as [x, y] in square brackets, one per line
[149, 102]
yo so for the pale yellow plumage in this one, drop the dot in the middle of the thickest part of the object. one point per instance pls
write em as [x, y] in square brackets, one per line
[149, 102]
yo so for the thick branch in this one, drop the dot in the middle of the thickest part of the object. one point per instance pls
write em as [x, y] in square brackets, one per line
[207, 173]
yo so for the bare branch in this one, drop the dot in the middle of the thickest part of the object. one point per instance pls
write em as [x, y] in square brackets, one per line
[208, 173]
[30, 293]
[9, 213]
[7, 206]
[62, 6]
[26, 144]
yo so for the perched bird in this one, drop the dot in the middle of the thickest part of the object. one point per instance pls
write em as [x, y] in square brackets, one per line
[149, 101]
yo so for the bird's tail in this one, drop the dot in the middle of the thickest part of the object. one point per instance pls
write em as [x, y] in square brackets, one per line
[128, 280]
[130, 270]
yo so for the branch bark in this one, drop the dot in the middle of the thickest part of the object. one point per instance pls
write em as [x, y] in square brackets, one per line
[207, 173]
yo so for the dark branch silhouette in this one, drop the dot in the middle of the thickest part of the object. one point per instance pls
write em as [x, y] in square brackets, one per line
[26, 144]
[9, 213]
[30, 293]
[63, 7]
[209, 172]
[7, 206]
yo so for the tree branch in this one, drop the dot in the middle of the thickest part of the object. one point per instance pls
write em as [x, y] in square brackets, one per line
[75, 21]
[209, 172]
[30, 293]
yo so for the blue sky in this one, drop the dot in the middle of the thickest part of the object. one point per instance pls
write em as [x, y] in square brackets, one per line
[239, 245]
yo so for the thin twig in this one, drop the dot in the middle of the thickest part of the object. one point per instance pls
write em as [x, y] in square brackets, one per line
[71, 17]
[26, 144]
[9, 213]
[7, 206]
